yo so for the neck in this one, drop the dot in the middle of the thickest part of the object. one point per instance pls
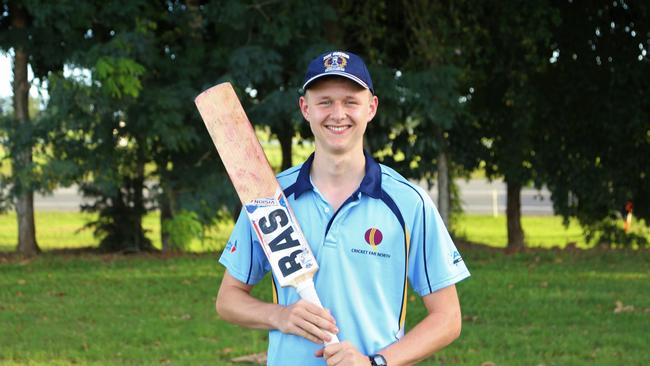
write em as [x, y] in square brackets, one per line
[335, 169]
[338, 176]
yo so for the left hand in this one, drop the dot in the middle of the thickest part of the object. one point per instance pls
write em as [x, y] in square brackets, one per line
[343, 354]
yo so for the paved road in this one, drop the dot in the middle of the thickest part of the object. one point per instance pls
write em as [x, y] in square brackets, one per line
[483, 197]
[478, 196]
[63, 199]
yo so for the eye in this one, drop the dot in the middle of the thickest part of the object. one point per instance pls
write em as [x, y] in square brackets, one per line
[324, 102]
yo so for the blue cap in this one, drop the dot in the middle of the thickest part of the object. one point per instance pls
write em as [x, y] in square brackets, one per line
[339, 63]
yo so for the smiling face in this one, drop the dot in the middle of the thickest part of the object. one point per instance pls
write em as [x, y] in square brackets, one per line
[338, 111]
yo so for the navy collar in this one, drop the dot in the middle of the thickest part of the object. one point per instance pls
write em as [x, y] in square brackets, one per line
[370, 185]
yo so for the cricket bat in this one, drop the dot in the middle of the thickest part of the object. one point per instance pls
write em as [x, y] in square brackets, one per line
[279, 234]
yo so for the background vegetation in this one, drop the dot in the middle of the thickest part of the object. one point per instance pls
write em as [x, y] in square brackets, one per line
[547, 93]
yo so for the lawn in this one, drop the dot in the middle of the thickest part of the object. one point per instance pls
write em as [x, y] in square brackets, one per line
[58, 230]
[538, 308]
[55, 230]
[540, 231]
[543, 307]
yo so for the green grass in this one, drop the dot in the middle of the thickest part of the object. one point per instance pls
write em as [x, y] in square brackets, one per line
[58, 230]
[544, 307]
[540, 231]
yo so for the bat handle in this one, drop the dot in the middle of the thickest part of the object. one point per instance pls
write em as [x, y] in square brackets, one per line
[307, 292]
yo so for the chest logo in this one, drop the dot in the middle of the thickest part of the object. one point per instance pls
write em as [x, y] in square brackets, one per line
[373, 237]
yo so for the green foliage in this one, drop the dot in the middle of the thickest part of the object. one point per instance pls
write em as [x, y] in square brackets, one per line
[593, 135]
[519, 38]
[481, 81]
[119, 76]
[119, 224]
[608, 232]
[182, 229]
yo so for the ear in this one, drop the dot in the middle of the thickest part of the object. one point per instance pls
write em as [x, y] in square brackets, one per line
[304, 108]
[372, 107]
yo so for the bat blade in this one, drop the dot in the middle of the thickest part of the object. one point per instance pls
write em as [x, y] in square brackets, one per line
[276, 227]
[235, 140]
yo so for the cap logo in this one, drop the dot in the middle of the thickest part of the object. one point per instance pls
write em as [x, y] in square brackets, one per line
[373, 237]
[335, 61]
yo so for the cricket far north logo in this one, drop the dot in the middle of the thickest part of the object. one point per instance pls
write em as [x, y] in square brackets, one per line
[373, 237]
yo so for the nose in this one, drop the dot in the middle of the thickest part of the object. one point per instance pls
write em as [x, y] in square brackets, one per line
[338, 112]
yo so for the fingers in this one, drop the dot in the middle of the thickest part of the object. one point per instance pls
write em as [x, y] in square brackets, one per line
[312, 332]
[343, 354]
[316, 310]
[323, 319]
[307, 320]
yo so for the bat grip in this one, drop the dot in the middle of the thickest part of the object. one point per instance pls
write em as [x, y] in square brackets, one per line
[307, 292]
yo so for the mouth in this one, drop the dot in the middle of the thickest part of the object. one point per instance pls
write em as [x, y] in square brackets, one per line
[338, 129]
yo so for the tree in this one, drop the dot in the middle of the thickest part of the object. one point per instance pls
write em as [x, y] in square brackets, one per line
[593, 135]
[21, 152]
[44, 35]
[511, 49]
[433, 77]
[32, 44]
[90, 136]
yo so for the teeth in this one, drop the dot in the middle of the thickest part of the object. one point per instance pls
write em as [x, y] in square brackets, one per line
[337, 128]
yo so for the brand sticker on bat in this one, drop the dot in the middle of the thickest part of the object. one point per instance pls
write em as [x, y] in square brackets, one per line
[282, 240]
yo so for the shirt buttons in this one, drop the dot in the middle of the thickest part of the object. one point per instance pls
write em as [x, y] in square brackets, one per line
[326, 209]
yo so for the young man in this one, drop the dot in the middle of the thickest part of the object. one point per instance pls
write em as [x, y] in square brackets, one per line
[372, 232]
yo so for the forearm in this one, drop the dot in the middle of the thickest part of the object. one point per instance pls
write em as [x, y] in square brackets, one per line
[432, 334]
[239, 307]
[236, 305]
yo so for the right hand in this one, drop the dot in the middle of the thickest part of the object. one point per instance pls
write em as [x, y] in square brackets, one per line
[306, 320]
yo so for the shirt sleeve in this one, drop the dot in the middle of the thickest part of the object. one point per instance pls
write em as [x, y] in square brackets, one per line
[434, 261]
[243, 256]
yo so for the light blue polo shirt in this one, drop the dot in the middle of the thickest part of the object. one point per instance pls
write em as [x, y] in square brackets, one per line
[387, 234]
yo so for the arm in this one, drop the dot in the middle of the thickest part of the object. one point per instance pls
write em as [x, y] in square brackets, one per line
[235, 304]
[438, 329]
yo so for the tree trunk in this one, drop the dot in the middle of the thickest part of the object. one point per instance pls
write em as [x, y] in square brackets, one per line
[22, 160]
[513, 213]
[443, 180]
[167, 204]
[285, 136]
[138, 202]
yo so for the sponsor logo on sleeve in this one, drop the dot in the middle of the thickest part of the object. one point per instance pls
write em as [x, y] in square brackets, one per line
[231, 247]
[456, 258]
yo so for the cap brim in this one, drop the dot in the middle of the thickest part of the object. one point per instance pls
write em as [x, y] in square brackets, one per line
[336, 73]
